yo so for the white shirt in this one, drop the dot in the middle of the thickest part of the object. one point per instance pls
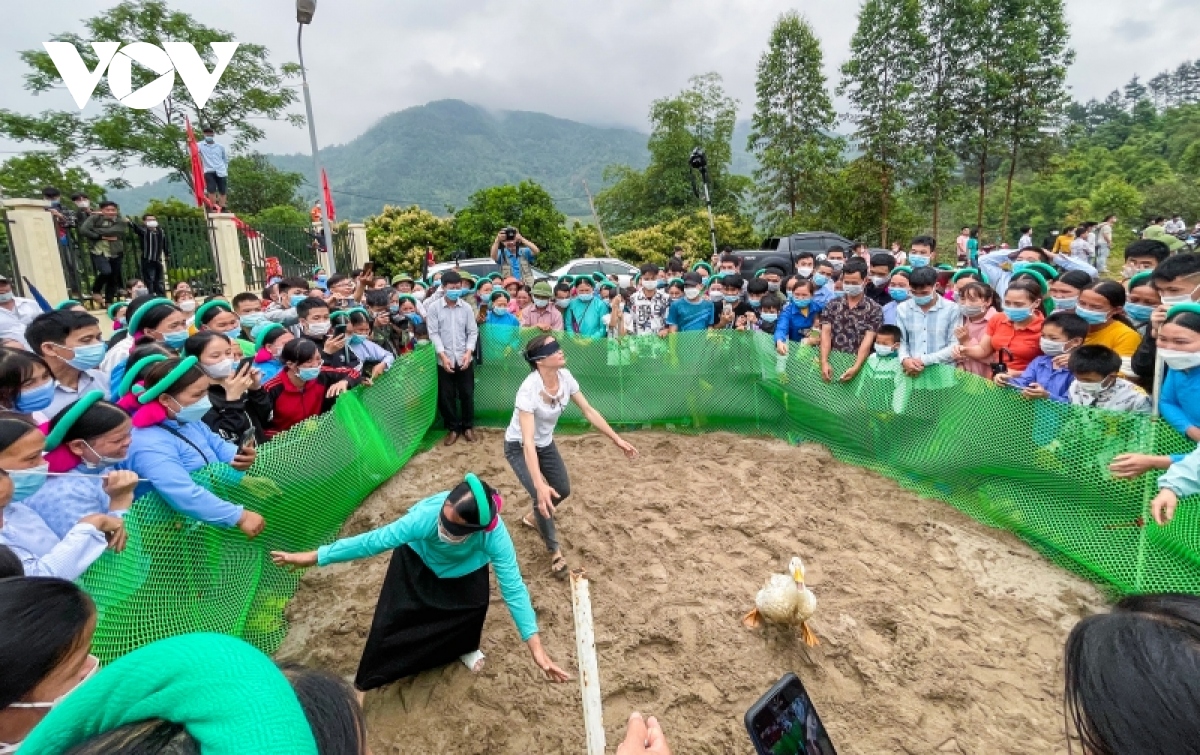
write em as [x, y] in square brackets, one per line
[14, 321]
[531, 398]
[40, 550]
[117, 354]
[1174, 226]
[89, 380]
[1025, 241]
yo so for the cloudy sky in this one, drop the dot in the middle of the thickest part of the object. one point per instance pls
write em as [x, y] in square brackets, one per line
[598, 61]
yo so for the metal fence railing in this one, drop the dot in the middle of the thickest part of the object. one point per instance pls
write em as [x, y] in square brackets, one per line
[292, 251]
[343, 250]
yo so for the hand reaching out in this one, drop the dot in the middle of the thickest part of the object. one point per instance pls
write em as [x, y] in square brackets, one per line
[293, 561]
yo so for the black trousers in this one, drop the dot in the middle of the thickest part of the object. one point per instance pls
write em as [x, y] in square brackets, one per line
[152, 276]
[108, 276]
[456, 398]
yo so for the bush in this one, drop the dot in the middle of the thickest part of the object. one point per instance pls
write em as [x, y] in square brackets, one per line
[398, 236]
[655, 244]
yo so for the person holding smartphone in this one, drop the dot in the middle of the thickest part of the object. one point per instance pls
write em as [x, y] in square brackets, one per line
[241, 409]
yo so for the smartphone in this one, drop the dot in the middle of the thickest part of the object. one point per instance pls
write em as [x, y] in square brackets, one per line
[785, 722]
[246, 362]
[248, 439]
[340, 326]
[368, 267]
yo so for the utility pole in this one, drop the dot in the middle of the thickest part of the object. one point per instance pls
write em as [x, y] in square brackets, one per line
[595, 217]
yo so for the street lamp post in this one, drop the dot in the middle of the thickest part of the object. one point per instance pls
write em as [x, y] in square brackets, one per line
[304, 14]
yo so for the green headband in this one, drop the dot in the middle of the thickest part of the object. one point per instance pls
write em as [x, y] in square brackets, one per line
[1037, 276]
[599, 277]
[55, 438]
[1179, 309]
[170, 380]
[352, 310]
[112, 310]
[609, 284]
[1140, 278]
[704, 265]
[567, 279]
[495, 276]
[135, 322]
[500, 292]
[66, 303]
[481, 499]
[132, 373]
[260, 341]
[902, 269]
[208, 307]
[675, 281]
[944, 267]
[968, 271]
[1047, 271]
[406, 297]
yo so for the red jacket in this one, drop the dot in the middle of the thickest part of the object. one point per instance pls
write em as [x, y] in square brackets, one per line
[294, 405]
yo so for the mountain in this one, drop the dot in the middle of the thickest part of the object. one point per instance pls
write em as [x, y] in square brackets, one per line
[438, 154]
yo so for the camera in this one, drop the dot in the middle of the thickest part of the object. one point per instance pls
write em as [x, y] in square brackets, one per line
[698, 160]
[400, 322]
[510, 233]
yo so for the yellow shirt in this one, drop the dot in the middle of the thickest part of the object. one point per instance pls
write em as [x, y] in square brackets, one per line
[1117, 336]
[1062, 245]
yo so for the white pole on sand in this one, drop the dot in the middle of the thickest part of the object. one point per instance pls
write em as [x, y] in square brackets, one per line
[589, 667]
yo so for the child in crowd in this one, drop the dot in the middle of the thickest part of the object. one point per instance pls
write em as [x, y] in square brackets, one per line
[1098, 382]
[884, 386]
[798, 317]
[1062, 333]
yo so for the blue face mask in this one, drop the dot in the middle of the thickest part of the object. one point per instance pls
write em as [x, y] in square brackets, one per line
[662, 284]
[234, 334]
[87, 357]
[821, 280]
[308, 374]
[586, 298]
[322, 279]
[26, 482]
[416, 319]
[770, 316]
[923, 301]
[193, 413]
[36, 399]
[175, 340]
[918, 260]
[899, 294]
[297, 298]
[562, 303]
[1139, 312]
[355, 340]
[755, 303]
[1066, 304]
[1020, 266]
[732, 299]
[802, 302]
[1018, 314]
[393, 308]
[454, 294]
[252, 320]
[1091, 316]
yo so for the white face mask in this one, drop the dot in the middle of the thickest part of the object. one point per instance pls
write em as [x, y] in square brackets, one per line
[419, 295]
[317, 328]
[716, 295]
[152, 224]
[1180, 360]
[188, 305]
[1089, 389]
[804, 272]
[1053, 348]
[691, 293]
[649, 284]
[1171, 301]
[51, 705]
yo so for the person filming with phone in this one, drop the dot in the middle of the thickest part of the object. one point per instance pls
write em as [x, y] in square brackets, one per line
[514, 253]
[241, 409]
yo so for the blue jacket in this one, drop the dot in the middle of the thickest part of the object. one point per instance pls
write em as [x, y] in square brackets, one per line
[1180, 400]
[419, 530]
[1041, 371]
[794, 324]
[167, 462]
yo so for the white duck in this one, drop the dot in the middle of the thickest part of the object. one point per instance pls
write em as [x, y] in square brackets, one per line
[784, 599]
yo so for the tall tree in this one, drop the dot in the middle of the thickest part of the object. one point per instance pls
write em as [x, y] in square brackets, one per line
[250, 91]
[792, 123]
[879, 79]
[1033, 57]
[948, 55]
[1135, 92]
[26, 175]
[703, 115]
[528, 207]
[261, 185]
[990, 86]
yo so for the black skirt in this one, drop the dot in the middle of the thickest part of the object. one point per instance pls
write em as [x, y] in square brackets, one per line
[422, 621]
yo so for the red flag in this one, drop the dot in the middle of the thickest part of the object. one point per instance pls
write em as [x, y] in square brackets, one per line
[197, 165]
[328, 196]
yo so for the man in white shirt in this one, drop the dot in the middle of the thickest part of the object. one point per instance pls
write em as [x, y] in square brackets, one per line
[1175, 225]
[1104, 240]
[649, 304]
[1026, 237]
[73, 348]
[15, 313]
[453, 332]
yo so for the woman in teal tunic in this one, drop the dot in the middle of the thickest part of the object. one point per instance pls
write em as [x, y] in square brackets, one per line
[585, 315]
[436, 592]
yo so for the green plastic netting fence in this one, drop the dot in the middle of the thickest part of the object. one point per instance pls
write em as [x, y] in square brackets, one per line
[1035, 468]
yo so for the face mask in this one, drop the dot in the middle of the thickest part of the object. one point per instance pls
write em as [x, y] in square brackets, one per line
[839, 294]
[252, 320]
[562, 303]
[879, 281]
[837, 264]
[193, 413]
[188, 305]
[1052, 348]
[308, 374]
[1066, 304]
[923, 301]
[101, 460]
[1180, 360]
[208, 140]
[899, 294]
[140, 292]
[422, 341]
[415, 318]
[802, 302]
[1139, 312]
[1018, 314]
[649, 285]
[732, 299]
[357, 339]
[853, 290]
[716, 295]
[453, 294]
[541, 303]
[1171, 301]
[26, 482]
[220, 370]
[885, 351]
[821, 280]
[152, 224]
[317, 329]
[447, 538]
[6, 298]
[973, 310]
[1020, 266]
[1089, 389]
[322, 279]
[55, 702]
[234, 334]
[770, 316]
[87, 357]
[175, 340]
[36, 399]
[755, 303]
[296, 299]
[586, 298]
[500, 309]
[419, 295]
[773, 287]
[1091, 316]
[83, 204]
[918, 260]
[804, 272]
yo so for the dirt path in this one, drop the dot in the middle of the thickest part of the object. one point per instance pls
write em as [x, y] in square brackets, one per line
[937, 634]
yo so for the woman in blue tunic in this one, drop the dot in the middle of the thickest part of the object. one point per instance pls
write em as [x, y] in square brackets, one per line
[436, 592]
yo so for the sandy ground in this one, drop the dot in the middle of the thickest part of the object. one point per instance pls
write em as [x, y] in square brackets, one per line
[938, 635]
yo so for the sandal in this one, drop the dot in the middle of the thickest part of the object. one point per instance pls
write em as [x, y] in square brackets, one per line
[559, 568]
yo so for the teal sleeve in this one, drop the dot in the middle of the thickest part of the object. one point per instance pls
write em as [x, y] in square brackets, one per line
[1183, 478]
[386, 538]
[503, 556]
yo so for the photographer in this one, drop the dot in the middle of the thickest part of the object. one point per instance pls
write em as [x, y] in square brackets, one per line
[514, 253]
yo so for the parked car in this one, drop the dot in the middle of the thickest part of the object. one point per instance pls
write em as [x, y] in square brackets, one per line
[480, 267]
[606, 265]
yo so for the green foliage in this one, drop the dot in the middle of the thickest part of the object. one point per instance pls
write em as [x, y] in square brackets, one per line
[283, 214]
[701, 116]
[26, 175]
[251, 90]
[655, 243]
[526, 207]
[791, 124]
[173, 208]
[1173, 197]
[398, 236]
[852, 207]
[585, 241]
[256, 185]
[1115, 196]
